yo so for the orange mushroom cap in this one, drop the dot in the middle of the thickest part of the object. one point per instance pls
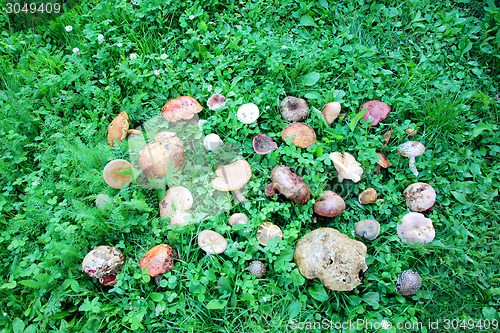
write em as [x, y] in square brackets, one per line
[183, 107]
[159, 260]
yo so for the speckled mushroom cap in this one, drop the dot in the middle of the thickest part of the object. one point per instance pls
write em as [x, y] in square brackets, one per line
[216, 101]
[420, 197]
[411, 149]
[212, 242]
[257, 268]
[159, 260]
[377, 111]
[368, 229]
[409, 282]
[118, 128]
[304, 134]
[267, 231]
[103, 261]
[330, 204]
[180, 108]
[111, 174]
[294, 108]
[416, 228]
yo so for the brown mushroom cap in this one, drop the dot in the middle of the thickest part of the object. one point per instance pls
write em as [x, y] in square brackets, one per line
[377, 111]
[304, 134]
[183, 107]
[267, 231]
[367, 196]
[420, 197]
[411, 132]
[409, 282]
[368, 229]
[103, 261]
[262, 144]
[118, 128]
[176, 202]
[238, 218]
[331, 112]
[416, 228]
[232, 176]
[411, 149]
[330, 204]
[294, 108]
[159, 260]
[257, 268]
[383, 161]
[216, 101]
[289, 184]
[212, 242]
[111, 174]
[156, 157]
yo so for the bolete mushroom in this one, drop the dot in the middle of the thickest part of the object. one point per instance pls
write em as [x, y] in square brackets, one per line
[347, 167]
[248, 113]
[262, 144]
[237, 218]
[159, 260]
[294, 108]
[420, 197]
[416, 229]
[177, 201]
[338, 261]
[257, 268]
[331, 112]
[118, 128]
[377, 111]
[408, 283]
[301, 134]
[180, 108]
[232, 177]
[212, 142]
[113, 176]
[289, 184]
[267, 231]
[212, 242]
[368, 229]
[162, 155]
[412, 149]
[104, 263]
[216, 101]
[367, 196]
[329, 204]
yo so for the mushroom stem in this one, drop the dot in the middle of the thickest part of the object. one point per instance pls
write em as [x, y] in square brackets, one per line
[238, 196]
[413, 168]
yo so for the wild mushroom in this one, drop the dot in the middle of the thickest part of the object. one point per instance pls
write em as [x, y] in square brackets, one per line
[262, 144]
[420, 197]
[102, 200]
[212, 242]
[159, 260]
[267, 231]
[330, 204]
[113, 176]
[289, 184]
[387, 138]
[104, 263]
[257, 268]
[158, 157]
[412, 149]
[248, 113]
[331, 112]
[377, 111]
[175, 204]
[409, 282]
[367, 196]
[416, 228]
[118, 128]
[212, 142]
[383, 163]
[411, 132]
[216, 101]
[238, 218]
[180, 108]
[301, 134]
[232, 177]
[294, 108]
[347, 167]
[368, 229]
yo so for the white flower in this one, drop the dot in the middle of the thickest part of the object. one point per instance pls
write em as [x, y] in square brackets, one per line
[68, 28]
[236, 244]
[119, 44]
[100, 38]
[76, 50]
[191, 17]
[157, 72]
[264, 299]
[209, 88]
[163, 56]
[134, 2]
[5, 314]
[133, 56]
[385, 324]
[283, 46]
[267, 107]
[35, 183]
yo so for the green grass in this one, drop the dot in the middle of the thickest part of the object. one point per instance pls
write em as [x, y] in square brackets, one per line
[435, 62]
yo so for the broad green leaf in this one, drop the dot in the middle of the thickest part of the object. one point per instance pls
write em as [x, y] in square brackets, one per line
[216, 305]
[294, 309]
[30, 283]
[311, 79]
[297, 278]
[372, 298]
[356, 118]
[156, 297]
[459, 196]
[307, 20]
[318, 292]
[17, 325]
[224, 284]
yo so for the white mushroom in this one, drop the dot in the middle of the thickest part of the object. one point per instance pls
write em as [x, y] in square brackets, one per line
[248, 113]
[412, 149]
[416, 228]
[113, 176]
[212, 142]
[176, 202]
[212, 242]
[238, 218]
[347, 167]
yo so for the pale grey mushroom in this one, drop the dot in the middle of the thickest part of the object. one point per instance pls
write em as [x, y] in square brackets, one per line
[368, 229]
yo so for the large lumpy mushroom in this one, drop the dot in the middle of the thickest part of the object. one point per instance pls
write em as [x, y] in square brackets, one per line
[420, 197]
[294, 108]
[181, 108]
[338, 261]
[177, 201]
[118, 128]
[302, 135]
[162, 155]
[104, 263]
[377, 111]
[347, 167]
[330, 204]
[289, 184]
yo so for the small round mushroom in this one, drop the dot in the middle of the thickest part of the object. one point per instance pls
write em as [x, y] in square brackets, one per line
[409, 282]
[216, 101]
[262, 144]
[212, 142]
[412, 149]
[248, 113]
[181, 108]
[420, 197]
[159, 260]
[294, 108]
[102, 200]
[304, 134]
[212, 242]
[331, 112]
[238, 218]
[257, 268]
[175, 204]
[104, 263]
[118, 128]
[367, 196]
[289, 184]
[330, 204]
[267, 231]
[377, 111]
[411, 132]
[416, 229]
[111, 174]
[368, 229]
[232, 177]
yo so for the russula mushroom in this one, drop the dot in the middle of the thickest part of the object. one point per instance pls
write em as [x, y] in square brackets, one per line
[301, 134]
[102, 200]
[411, 132]
[175, 204]
[113, 176]
[416, 228]
[420, 197]
[368, 229]
[232, 177]
[383, 163]
[411, 149]
[257, 268]
[118, 128]
[329, 204]
[262, 144]
[367, 196]
[248, 113]
[212, 142]
[377, 111]
[289, 184]
[338, 261]
[159, 260]
[408, 283]
[331, 112]
[180, 108]
[158, 157]
[212, 242]
[104, 263]
[237, 218]
[267, 231]
[347, 167]
[216, 101]
[294, 108]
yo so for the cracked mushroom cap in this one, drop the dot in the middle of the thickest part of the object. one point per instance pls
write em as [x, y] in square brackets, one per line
[238, 218]
[180, 108]
[411, 149]
[409, 282]
[330, 204]
[368, 229]
[416, 228]
[232, 176]
[304, 134]
[103, 263]
[216, 101]
[331, 111]
[248, 113]
[377, 111]
[257, 268]
[262, 144]
[157, 157]
[212, 242]
[420, 197]
[294, 108]
[159, 260]
[367, 196]
[347, 167]
[118, 128]
[111, 174]
[267, 231]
